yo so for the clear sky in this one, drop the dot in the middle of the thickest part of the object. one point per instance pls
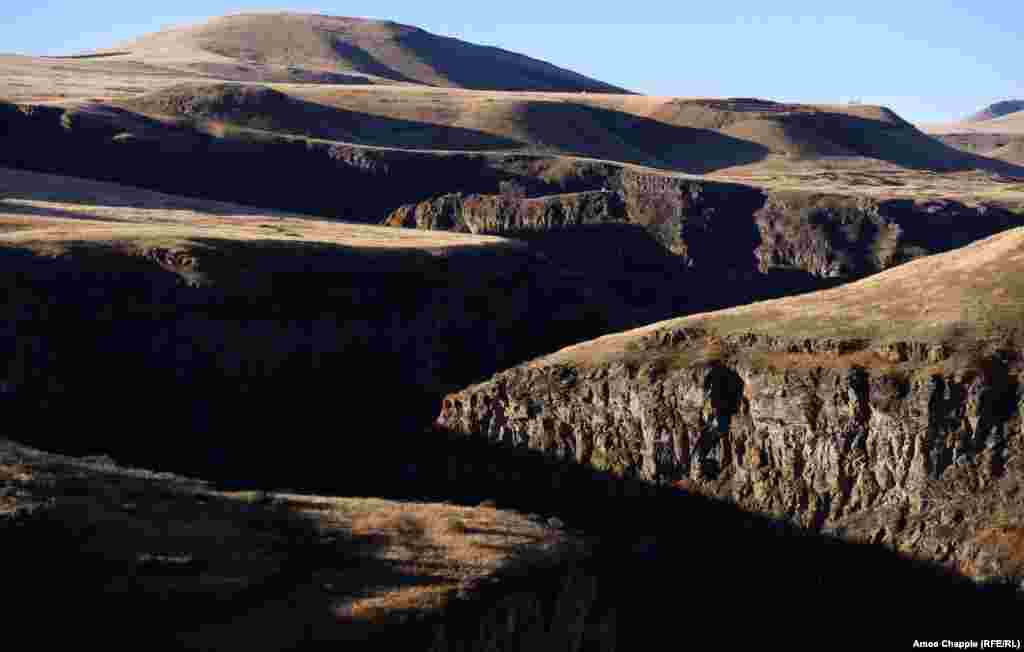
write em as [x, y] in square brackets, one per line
[929, 60]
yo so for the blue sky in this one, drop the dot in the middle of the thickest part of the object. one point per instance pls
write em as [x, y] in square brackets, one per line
[929, 61]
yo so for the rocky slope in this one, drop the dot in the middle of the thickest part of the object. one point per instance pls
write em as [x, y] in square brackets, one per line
[887, 409]
[742, 231]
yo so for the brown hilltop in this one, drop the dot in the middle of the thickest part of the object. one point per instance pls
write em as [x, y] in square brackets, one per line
[382, 50]
[385, 84]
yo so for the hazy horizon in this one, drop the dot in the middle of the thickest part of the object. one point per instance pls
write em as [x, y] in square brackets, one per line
[929, 62]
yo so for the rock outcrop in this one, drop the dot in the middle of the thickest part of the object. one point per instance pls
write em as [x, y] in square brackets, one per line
[898, 430]
[737, 230]
[506, 214]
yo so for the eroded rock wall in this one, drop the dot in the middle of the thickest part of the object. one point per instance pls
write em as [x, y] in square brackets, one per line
[828, 443]
[742, 232]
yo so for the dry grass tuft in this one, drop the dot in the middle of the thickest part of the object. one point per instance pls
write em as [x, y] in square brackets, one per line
[1008, 542]
[14, 473]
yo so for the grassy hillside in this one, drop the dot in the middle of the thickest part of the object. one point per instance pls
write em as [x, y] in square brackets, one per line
[1011, 124]
[958, 299]
[695, 136]
[1012, 152]
[205, 158]
[378, 49]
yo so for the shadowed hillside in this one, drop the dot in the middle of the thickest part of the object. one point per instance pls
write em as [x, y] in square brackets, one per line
[263, 168]
[690, 136]
[264, 109]
[379, 49]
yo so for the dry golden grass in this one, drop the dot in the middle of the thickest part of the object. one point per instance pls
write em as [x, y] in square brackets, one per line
[755, 140]
[1012, 152]
[371, 48]
[1008, 124]
[744, 141]
[419, 540]
[338, 565]
[877, 179]
[45, 213]
[14, 473]
[74, 81]
[1008, 544]
[972, 294]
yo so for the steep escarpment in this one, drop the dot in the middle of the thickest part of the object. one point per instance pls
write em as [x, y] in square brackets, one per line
[743, 232]
[509, 213]
[888, 409]
[237, 331]
[837, 236]
[218, 316]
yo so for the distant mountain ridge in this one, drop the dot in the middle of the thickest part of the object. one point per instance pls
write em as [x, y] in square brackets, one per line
[997, 110]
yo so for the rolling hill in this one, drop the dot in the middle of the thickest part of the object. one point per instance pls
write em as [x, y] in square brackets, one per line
[997, 110]
[1005, 123]
[797, 347]
[276, 46]
[695, 136]
[383, 84]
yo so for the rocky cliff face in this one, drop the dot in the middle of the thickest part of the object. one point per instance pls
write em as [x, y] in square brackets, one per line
[820, 444]
[246, 333]
[894, 438]
[738, 230]
[832, 236]
[508, 214]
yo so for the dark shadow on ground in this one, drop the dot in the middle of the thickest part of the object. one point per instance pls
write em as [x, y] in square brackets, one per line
[900, 144]
[365, 62]
[582, 130]
[267, 170]
[472, 66]
[662, 554]
[265, 109]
